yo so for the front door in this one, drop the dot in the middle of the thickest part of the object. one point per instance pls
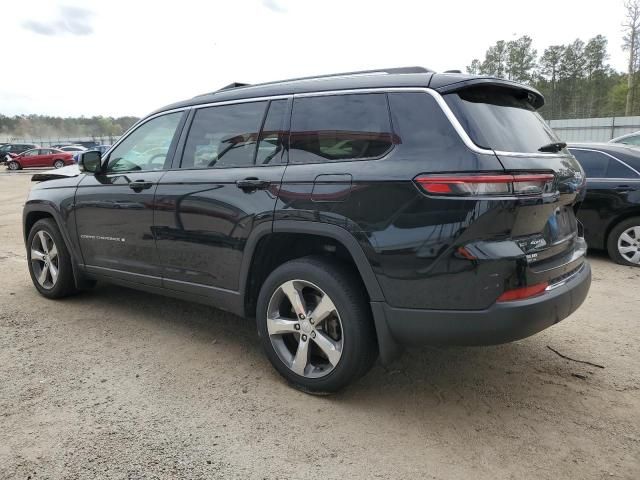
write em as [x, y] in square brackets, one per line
[114, 209]
[224, 185]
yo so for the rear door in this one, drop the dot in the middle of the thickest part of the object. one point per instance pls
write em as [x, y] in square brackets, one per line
[45, 157]
[222, 187]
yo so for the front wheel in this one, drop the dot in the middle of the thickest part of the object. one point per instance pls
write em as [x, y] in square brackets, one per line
[58, 164]
[623, 243]
[13, 165]
[315, 324]
[49, 260]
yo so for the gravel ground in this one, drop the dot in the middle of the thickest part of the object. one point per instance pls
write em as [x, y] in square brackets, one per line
[116, 383]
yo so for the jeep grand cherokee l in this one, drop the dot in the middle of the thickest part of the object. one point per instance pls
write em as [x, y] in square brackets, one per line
[349, 214]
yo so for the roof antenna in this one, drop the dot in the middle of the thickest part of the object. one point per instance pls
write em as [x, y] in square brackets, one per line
[453, 71]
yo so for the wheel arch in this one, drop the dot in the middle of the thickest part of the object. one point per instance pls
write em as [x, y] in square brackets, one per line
[37, 211]
[252, 278]
[627, 214]
[318, 230]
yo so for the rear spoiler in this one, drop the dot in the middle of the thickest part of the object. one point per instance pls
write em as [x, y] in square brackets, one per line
[535, 97]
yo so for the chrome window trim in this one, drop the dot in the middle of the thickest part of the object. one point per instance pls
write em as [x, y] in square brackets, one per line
[453, 120]
[608, 155]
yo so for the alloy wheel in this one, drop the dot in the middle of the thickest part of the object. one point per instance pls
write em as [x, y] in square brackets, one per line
[305, 328]
[45, 261]
[13, 165]
[629, 244]
[58, 164]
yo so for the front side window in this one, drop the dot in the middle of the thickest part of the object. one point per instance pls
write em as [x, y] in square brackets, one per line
[224, 136]
[501, 119]
[339, 127]
[31, 153]
[633, 140]
[147, 147]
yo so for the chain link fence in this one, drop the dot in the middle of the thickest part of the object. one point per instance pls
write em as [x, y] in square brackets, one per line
[48, 141]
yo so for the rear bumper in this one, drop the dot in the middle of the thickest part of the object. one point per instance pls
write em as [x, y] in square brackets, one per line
[500, 323]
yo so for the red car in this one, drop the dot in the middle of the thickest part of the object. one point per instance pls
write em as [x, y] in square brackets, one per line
[41, 157]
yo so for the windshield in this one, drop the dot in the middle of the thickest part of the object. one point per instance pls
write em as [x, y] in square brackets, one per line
[500, 119]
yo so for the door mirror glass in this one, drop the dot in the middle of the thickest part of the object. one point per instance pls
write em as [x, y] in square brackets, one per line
[90, 161]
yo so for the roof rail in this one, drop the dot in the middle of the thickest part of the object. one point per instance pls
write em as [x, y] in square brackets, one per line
[378, 71]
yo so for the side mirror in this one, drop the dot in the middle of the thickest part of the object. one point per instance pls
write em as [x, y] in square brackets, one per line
[90, 161]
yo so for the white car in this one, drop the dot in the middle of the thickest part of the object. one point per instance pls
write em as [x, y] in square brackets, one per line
[628, 139]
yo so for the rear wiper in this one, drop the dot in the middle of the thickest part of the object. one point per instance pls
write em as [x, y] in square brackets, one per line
[552, 147]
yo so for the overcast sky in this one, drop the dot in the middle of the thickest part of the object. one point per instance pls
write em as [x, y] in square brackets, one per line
[128, 57]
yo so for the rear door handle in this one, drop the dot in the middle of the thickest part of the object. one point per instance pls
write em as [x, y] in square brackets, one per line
[252, 183]
[139, 185]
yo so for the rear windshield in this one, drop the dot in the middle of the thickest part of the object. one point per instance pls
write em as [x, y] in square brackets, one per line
[500, 119]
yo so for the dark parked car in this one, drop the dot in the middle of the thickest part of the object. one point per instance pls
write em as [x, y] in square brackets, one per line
[348, 214]
[611, 210]
[10, 150]
[41, 157]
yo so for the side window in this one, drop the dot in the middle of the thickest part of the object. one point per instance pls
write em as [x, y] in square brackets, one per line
[45, 151]
[594, 163]
[271, 142]
[146, 148]
[635, 140]
[224, 136]
[339, 127]
[32, 153]
[619, 170]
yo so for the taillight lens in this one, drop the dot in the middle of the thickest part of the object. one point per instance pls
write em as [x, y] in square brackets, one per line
[523, 292]
[501, 184]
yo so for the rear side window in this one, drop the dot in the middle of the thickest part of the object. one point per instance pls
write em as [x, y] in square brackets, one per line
[224, 136]
[500, 119]
[339, 127]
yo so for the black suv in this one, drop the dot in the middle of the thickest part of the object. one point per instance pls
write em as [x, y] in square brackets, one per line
[349, 214]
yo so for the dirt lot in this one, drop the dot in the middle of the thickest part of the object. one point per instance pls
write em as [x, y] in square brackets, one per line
[115, 383]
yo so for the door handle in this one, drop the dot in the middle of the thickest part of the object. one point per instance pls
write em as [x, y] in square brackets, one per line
[139, 185]
[252, 183]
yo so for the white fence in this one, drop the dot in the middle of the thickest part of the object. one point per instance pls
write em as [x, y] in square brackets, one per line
[594, 129]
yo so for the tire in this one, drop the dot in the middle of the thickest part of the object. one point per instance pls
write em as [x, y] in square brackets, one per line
[349, 327]
[623, 242]
[58, 164]
[13, 165]
[62, 285]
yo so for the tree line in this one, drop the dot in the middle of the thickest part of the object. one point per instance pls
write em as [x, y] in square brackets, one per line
[576, 79]
[34, 127]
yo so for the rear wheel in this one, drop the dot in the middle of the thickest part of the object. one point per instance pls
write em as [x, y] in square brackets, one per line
[49, 260]
[315, 324]
[58, 164]
[623, 243]
[13, 165]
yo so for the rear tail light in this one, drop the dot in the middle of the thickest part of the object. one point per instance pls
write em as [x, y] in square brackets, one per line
[501, 184]
[523, 292]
